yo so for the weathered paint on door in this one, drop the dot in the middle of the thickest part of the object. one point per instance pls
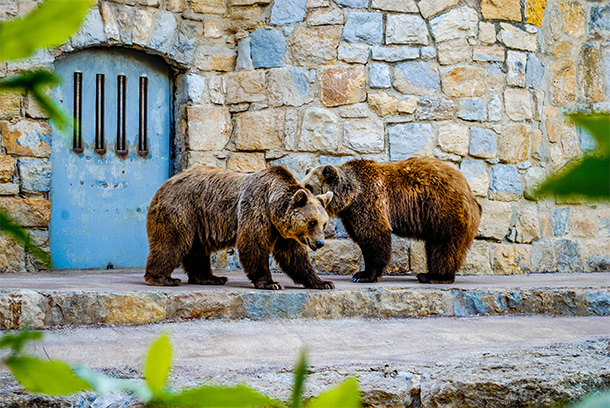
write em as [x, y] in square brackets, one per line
[99, 200]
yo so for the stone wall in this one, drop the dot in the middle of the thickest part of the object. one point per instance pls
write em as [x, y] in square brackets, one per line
[480, 84]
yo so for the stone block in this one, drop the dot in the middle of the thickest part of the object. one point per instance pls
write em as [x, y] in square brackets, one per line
[208, 127]
[7, 169]
[111, 25]
[453, 138]
[287, 12]
[472, 109]
[212, 27]
[567, 256]
[594, 253]
[428, 52]
[591, 73]
[482, 143]
[354, 52]
[430, 108]
[259, 130]
[10, 105]
[512, 259]
[317, 3]
[461, 22]
[246, 162]
[409, 139]
[247, 19]
[453, 52]
[563, 84]
[91, 32]
[528, 223]
[495, 76]
[465, 81]
[296, 164]
[267, 48]
[9, 189]
[543, 257]
[516, 62]
[599, 22]
[185, 42]
[353, 3]
[244, 55]
[478, 259]
[475, 172]
[574, 18]
[204, 159]
[402, 6]
[561, 221]
[429, 8]
[383, 104]
[342, 85]
[518, 104]
[363, 27]
[325, 17]
[518, 39]
[364, 135]
[379, 75]
[208, 6]
[407, 105]
[133, 308]
[501, 10]
[246, 86]
[534, 10]
[534, 72]
[289, 86]
[416, 77]
[495, 220]
[419, 262]
[219, 58]
[584, 222]
[143, 24]
[488, 54]
[320, 131]
[35, 175]
[163, 32]
[26, 138]
[399, 262]
[11, 256]
[505, 183]
[314, 46]
[494, 108]
[29, 212]
[406, 29]
[359, 110]
[394, 53]
[514, 144]
[341, 256]
[487, 33]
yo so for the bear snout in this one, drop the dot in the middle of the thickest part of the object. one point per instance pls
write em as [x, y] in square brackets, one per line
[315, 245]
[320, 244]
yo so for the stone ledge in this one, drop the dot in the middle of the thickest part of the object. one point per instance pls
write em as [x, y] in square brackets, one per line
[75, 299]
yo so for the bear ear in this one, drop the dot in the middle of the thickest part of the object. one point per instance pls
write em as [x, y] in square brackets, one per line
[300, 198]
[330, 173]
[325, 198]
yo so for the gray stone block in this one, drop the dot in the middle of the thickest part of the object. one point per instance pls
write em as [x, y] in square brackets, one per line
[244, 55]
[395, 53]
[482, 143]
[406, 139]
[363, 27]
[587, 142]
[358, 53]
[600, 20]
[35, 175]
[183, 47]
[379, 75]
[353, 3]
[334, 160]
[164, 30]
[267, 48]
[561, 221]
[534, 72]
[473, 109]
[419, 74]
[287, 12]
[434, 109]
[567, 255]
[505, 179]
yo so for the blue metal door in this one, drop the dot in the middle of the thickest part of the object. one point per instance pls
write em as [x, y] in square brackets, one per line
[108, 166]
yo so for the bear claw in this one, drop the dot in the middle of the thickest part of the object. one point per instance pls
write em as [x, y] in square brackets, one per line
[269, 285]
[213, 280]
[362, 278]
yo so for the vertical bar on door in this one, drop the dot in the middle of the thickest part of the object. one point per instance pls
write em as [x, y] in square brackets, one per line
[143, 134]
[121, 136]
[100, 100]
[77, 128]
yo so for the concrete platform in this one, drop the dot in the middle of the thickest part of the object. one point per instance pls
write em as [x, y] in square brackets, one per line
[122, 297]
[492, 361]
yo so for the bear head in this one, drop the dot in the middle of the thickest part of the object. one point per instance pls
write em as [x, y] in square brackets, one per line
[329, 178]
[305, 219]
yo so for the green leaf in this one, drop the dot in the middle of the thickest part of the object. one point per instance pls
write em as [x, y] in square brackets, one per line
[35, 83]
[19, 339]
[104, 384]
[346, 395]
[598, 125]
[158, 364]
[47, 377]
[300, 372]
[11, 228]
[239, 396]
[52, 23]
[589, 177]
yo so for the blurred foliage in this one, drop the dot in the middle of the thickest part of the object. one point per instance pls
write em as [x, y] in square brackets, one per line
[589, 176]
[11, 228]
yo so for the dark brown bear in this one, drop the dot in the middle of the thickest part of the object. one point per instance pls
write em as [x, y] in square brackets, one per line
[415, 198]
[206, 209]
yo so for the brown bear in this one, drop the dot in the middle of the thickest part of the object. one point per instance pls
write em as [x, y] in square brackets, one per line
[418, 198]
[206, 209]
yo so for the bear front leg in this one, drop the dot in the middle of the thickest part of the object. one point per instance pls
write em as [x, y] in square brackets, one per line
[293, 258]
[255, 261]
[376, 247]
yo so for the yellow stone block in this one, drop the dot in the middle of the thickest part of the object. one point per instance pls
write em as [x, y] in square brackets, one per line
[533, 11]
[133, 308]
[501, 9]
[573, 18]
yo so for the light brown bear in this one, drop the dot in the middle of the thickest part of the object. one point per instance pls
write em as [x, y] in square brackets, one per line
[418, 198]
[206, 209]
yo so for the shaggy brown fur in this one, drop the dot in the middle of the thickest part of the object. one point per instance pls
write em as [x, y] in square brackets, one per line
[415, 198]
[206, 209]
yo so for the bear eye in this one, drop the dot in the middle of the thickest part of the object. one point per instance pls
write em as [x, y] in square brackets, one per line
[313, 223]
[309, 187]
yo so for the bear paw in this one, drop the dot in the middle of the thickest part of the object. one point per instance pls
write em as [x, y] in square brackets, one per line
[162, 281]
[322, 285]
[363, 277]
[210, 280]
[424, 278]
[271, 285]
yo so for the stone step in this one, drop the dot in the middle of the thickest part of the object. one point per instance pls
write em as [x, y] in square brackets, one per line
[491, 361]
[122, 297]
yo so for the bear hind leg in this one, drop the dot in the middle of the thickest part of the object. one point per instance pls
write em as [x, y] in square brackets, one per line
[198, 266]
[377, 254]
[444, 260]
[159, 268]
